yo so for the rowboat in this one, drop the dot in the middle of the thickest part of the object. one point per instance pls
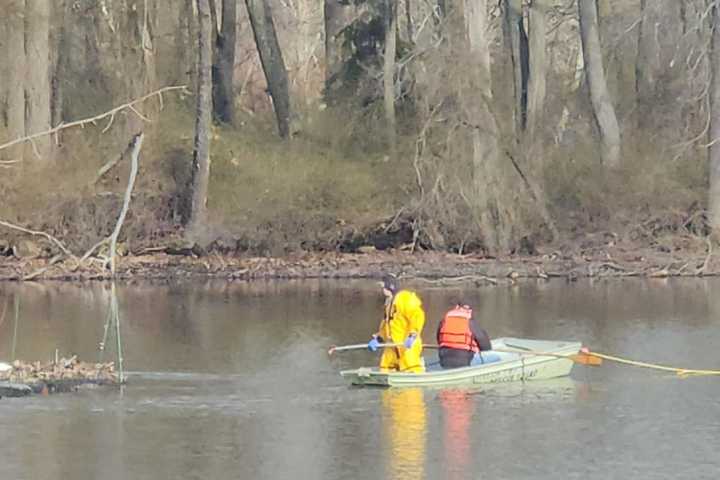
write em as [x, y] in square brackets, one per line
[517, 360]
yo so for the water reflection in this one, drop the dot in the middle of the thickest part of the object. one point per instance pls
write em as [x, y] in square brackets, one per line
[405, 431]
[241, 385]
[457, 409]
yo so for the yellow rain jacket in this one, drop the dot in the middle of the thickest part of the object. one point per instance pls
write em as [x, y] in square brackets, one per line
[404, 315]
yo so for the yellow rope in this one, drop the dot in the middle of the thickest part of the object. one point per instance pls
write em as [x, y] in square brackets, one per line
[683, 372]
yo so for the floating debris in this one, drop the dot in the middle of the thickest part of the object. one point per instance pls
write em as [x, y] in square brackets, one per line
[64, 375]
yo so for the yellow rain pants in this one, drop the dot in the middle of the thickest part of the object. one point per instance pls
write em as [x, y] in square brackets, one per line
[404, 315]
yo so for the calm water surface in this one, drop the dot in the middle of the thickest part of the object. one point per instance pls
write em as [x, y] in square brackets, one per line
[232, 380]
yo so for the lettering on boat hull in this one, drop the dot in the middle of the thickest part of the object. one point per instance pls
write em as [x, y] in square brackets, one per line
[514, 375]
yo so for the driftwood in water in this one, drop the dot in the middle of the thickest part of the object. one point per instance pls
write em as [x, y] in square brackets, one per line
[64, 375]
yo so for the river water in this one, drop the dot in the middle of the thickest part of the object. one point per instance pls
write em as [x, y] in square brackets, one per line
[232, 380]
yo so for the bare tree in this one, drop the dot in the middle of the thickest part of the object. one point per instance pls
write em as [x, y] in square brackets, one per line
[391, 21]
[272, 62]
[203, 118]
[409, 21]
[60, 44]
[441, 8]
[37, 73]
[185, 37]
[485, 150]
[16, 75]
[660, 33]
[224, 63]
[603, 109]
[336, 17]
[537, 68]
[714, 152]
[517, 42]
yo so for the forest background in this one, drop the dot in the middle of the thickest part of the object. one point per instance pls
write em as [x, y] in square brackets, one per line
[477, 126]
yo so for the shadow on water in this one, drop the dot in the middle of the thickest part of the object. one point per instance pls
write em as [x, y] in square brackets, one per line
[233, 379]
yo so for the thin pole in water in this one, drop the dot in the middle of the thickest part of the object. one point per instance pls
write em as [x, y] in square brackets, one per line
[15, 327]
[116, 315]
[103, 343]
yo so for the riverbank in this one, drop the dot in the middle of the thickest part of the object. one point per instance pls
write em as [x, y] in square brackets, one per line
[595, 256]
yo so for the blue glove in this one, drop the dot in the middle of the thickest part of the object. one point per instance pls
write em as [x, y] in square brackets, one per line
[410, 340]
[373, 344]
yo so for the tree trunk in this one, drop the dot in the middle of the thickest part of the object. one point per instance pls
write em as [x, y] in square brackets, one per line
[224, 64]
[537, 65]
[485, 149]
[531, 151]
[517, 40]
[61, 45]
[135, 44]
[389, 72]
[4, 64]
[303, 52]
[15, 48]
[603, 109]
[203, 118]
[37, 74]
[409, 22]
[659, 34]
[337, 17]
[272, 62]
[188, 38]
[714, 152]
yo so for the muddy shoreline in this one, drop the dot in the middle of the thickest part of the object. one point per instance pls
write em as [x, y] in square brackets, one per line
[432, 266]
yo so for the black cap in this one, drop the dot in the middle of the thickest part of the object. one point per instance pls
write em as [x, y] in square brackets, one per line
[390, 282]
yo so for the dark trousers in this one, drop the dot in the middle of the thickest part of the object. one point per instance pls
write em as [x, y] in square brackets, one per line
[454, 358]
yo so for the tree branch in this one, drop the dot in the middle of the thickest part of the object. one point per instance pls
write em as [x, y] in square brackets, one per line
[82, 123]
[137, 144]
[52, 239]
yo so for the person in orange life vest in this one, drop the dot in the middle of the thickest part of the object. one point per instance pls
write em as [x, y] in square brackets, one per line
[460, 338]
[402, 325]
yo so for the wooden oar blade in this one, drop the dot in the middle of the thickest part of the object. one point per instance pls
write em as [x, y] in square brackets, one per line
[586, 359]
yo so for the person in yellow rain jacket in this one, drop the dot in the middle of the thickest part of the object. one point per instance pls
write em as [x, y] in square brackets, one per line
[402, 325]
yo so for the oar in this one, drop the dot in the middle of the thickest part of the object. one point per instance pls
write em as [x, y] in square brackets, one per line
[359, 346]
[362, 346]
[585, 357]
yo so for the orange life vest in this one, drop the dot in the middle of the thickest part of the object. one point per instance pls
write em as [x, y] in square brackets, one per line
[455, 331]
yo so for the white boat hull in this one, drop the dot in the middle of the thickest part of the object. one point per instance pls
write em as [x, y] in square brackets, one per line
[512, 367]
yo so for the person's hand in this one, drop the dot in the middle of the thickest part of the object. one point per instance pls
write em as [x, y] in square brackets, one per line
[373, 344]
[410, 340]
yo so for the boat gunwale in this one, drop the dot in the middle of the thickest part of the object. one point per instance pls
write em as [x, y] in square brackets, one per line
[372, 376]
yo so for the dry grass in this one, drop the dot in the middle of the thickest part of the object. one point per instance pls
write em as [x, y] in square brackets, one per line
[274, 196]
[650, 182]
